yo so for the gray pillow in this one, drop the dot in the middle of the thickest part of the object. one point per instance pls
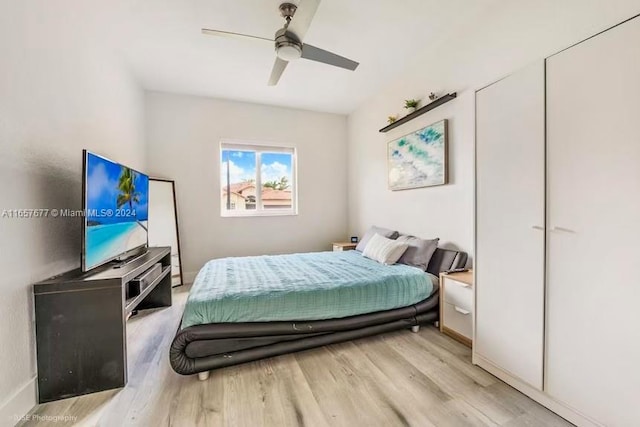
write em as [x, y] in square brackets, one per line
[384, 232]
[419, 252]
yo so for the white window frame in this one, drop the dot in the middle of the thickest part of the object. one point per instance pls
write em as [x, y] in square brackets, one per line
[260, 148]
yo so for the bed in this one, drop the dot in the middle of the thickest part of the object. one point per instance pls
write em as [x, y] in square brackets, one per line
[249, 308]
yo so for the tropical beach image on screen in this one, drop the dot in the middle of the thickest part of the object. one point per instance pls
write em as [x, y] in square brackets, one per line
[116, 210]
[419, 159]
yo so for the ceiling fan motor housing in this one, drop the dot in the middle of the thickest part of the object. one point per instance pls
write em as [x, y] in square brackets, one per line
[288, 47]
[287, 10]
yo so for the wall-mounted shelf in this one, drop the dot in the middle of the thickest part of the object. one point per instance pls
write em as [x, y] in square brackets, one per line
[420, 111]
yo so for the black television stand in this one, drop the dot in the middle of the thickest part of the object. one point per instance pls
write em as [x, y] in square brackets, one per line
[81, 328]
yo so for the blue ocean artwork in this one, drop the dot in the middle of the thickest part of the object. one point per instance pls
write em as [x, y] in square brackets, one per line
[419, 158]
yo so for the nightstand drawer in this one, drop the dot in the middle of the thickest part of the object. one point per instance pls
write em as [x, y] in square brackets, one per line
[457, 319]
[458, 294]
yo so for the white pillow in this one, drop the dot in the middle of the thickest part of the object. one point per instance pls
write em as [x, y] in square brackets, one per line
[384, 232]
[383, 250]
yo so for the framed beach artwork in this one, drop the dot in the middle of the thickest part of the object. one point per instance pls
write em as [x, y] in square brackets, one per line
[419, 159]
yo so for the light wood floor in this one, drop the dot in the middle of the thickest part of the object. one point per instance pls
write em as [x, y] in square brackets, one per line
[397, 379]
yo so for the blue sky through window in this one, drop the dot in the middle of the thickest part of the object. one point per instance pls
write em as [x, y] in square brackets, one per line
[242, 166]
[275, 166]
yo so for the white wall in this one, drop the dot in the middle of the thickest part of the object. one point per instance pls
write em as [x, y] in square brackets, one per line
[183, 135]
[509, 36]
[60, 91]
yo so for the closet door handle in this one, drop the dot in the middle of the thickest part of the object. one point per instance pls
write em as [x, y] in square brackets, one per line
[562, 230]
[537, 227]
[461, 310]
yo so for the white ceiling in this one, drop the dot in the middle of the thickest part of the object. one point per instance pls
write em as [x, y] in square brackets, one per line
[167, 52]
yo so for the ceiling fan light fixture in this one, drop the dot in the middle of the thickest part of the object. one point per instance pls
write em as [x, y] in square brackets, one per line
[288, 51]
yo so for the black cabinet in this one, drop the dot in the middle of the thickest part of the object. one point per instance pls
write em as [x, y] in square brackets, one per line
[81, 329]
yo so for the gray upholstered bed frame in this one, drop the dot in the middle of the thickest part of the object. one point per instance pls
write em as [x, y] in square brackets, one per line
[200, 348]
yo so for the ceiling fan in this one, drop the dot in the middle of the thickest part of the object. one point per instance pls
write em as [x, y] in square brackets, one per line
[288, 40]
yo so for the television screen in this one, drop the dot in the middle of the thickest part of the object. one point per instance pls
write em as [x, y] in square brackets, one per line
[116, 210]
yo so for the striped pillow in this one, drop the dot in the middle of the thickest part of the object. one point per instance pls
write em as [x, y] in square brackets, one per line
[383, 250]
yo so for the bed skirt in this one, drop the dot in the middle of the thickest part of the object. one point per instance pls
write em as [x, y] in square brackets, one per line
[202, 348]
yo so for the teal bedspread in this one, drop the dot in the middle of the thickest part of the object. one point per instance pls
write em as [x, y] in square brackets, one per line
[307, 286]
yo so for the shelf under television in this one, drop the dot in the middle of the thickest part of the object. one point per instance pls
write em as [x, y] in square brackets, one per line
[132, 303]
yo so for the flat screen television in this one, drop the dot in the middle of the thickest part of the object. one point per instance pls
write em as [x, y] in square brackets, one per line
[115, 202]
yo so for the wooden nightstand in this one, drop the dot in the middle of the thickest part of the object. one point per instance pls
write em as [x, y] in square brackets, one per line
[344, 246]
[456, 306]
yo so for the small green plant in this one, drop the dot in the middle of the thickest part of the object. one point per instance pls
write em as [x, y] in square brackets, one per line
[392, 119]
[410, 103]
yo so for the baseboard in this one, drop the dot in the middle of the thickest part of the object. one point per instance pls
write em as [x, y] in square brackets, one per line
[542, 398]
[13, 410]
[189, 277]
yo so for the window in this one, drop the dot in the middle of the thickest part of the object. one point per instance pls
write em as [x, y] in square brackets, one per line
[257, 180]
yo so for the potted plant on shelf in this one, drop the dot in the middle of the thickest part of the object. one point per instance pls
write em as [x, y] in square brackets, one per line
[411, 105]
[392, 119]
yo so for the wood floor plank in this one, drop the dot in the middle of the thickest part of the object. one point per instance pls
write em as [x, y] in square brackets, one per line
[408, 377]
[281, 406]
[333, 386]
[452, 353]
[243, 397]
[373, 389]
[468, 412]
[398, 379]
[398, 368]
[292, 393]
[526, 420]
[530, 409]
[409, 408]
[189, 407]
[457, 383]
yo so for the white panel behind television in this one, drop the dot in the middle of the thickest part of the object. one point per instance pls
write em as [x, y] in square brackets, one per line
[162, 223]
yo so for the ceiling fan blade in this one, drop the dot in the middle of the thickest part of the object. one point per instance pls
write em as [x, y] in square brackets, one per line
[303, 17]
[278, 68]
[210, 32]
[320, 55]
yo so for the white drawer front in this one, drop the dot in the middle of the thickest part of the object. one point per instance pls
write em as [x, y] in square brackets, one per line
[458, 319]
[458, 293]
[337, 248]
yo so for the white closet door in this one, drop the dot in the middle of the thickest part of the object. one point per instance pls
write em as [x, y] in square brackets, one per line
[593, 305]
[509, 328]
